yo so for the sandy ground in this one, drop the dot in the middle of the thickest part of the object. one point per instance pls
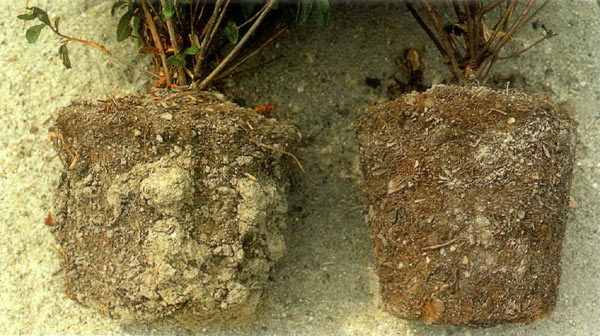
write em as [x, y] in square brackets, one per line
[327, 284]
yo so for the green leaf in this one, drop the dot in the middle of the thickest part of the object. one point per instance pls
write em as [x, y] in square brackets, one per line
[42, 15]
[276, 4]
[29, 16]
[56, 22]
[305, 9]
[124, 28]
[321, 12]
[178, 60]
[185, 2]
[33, 32]
[192, 50]
[168, 9]
[63, 52]
[231, 32]
[247, 8]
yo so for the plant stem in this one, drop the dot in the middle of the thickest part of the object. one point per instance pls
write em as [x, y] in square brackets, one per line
[450, 51]
[548, 35]
[423, 25]
[204, 35]
[100, 47]
[238, 46]
[181, 80]
[252, 54]
[157, 42]
[521, 20]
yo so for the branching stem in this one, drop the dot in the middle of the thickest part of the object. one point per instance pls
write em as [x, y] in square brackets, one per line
[481, 45]
[99, 47]
[237, 47]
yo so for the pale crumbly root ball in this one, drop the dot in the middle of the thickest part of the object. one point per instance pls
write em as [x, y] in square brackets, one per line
[174, 208]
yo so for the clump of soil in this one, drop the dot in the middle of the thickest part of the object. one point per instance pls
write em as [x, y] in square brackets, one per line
[171, 205]
[468, 191]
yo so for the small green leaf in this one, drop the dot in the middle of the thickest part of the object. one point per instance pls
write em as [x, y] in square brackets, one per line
[168, 9]
[42, 15]
[305, 9]
[276, 5]
[247, 8]
[321, 11]
[192, 50]
[231, 32]
[33, 32]
[29, 16]
[178, 60]
[185, 2]
[63, 52]
[56, 22]
[124, 28]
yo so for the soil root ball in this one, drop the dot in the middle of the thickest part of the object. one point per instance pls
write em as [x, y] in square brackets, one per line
[171, 206]
[468, 190]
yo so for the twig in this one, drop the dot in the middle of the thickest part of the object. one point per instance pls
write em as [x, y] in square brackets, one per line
[496, 110]
[99, 47]
[282, 152]
[237, 47]
[258, 66]
[217, 25]
[471, 41]
[423, 25]
[435, 247]
[250, 19]
[252, 54]
[204, 35]
[157, 41]
[510, 8]
[505, 38]
[194, 11]
[548, 35]
[489, 7]
[457, 9]
[489, 42]
[173, 37]
[450, 52]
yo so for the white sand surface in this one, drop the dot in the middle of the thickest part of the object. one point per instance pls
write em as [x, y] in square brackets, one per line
[327, 283]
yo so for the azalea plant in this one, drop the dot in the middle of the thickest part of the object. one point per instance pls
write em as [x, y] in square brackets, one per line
[471, 43]
[187, 40]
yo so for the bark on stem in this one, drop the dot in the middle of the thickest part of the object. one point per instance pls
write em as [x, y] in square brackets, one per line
[157, 41]
[238, 46]
[181, 80]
